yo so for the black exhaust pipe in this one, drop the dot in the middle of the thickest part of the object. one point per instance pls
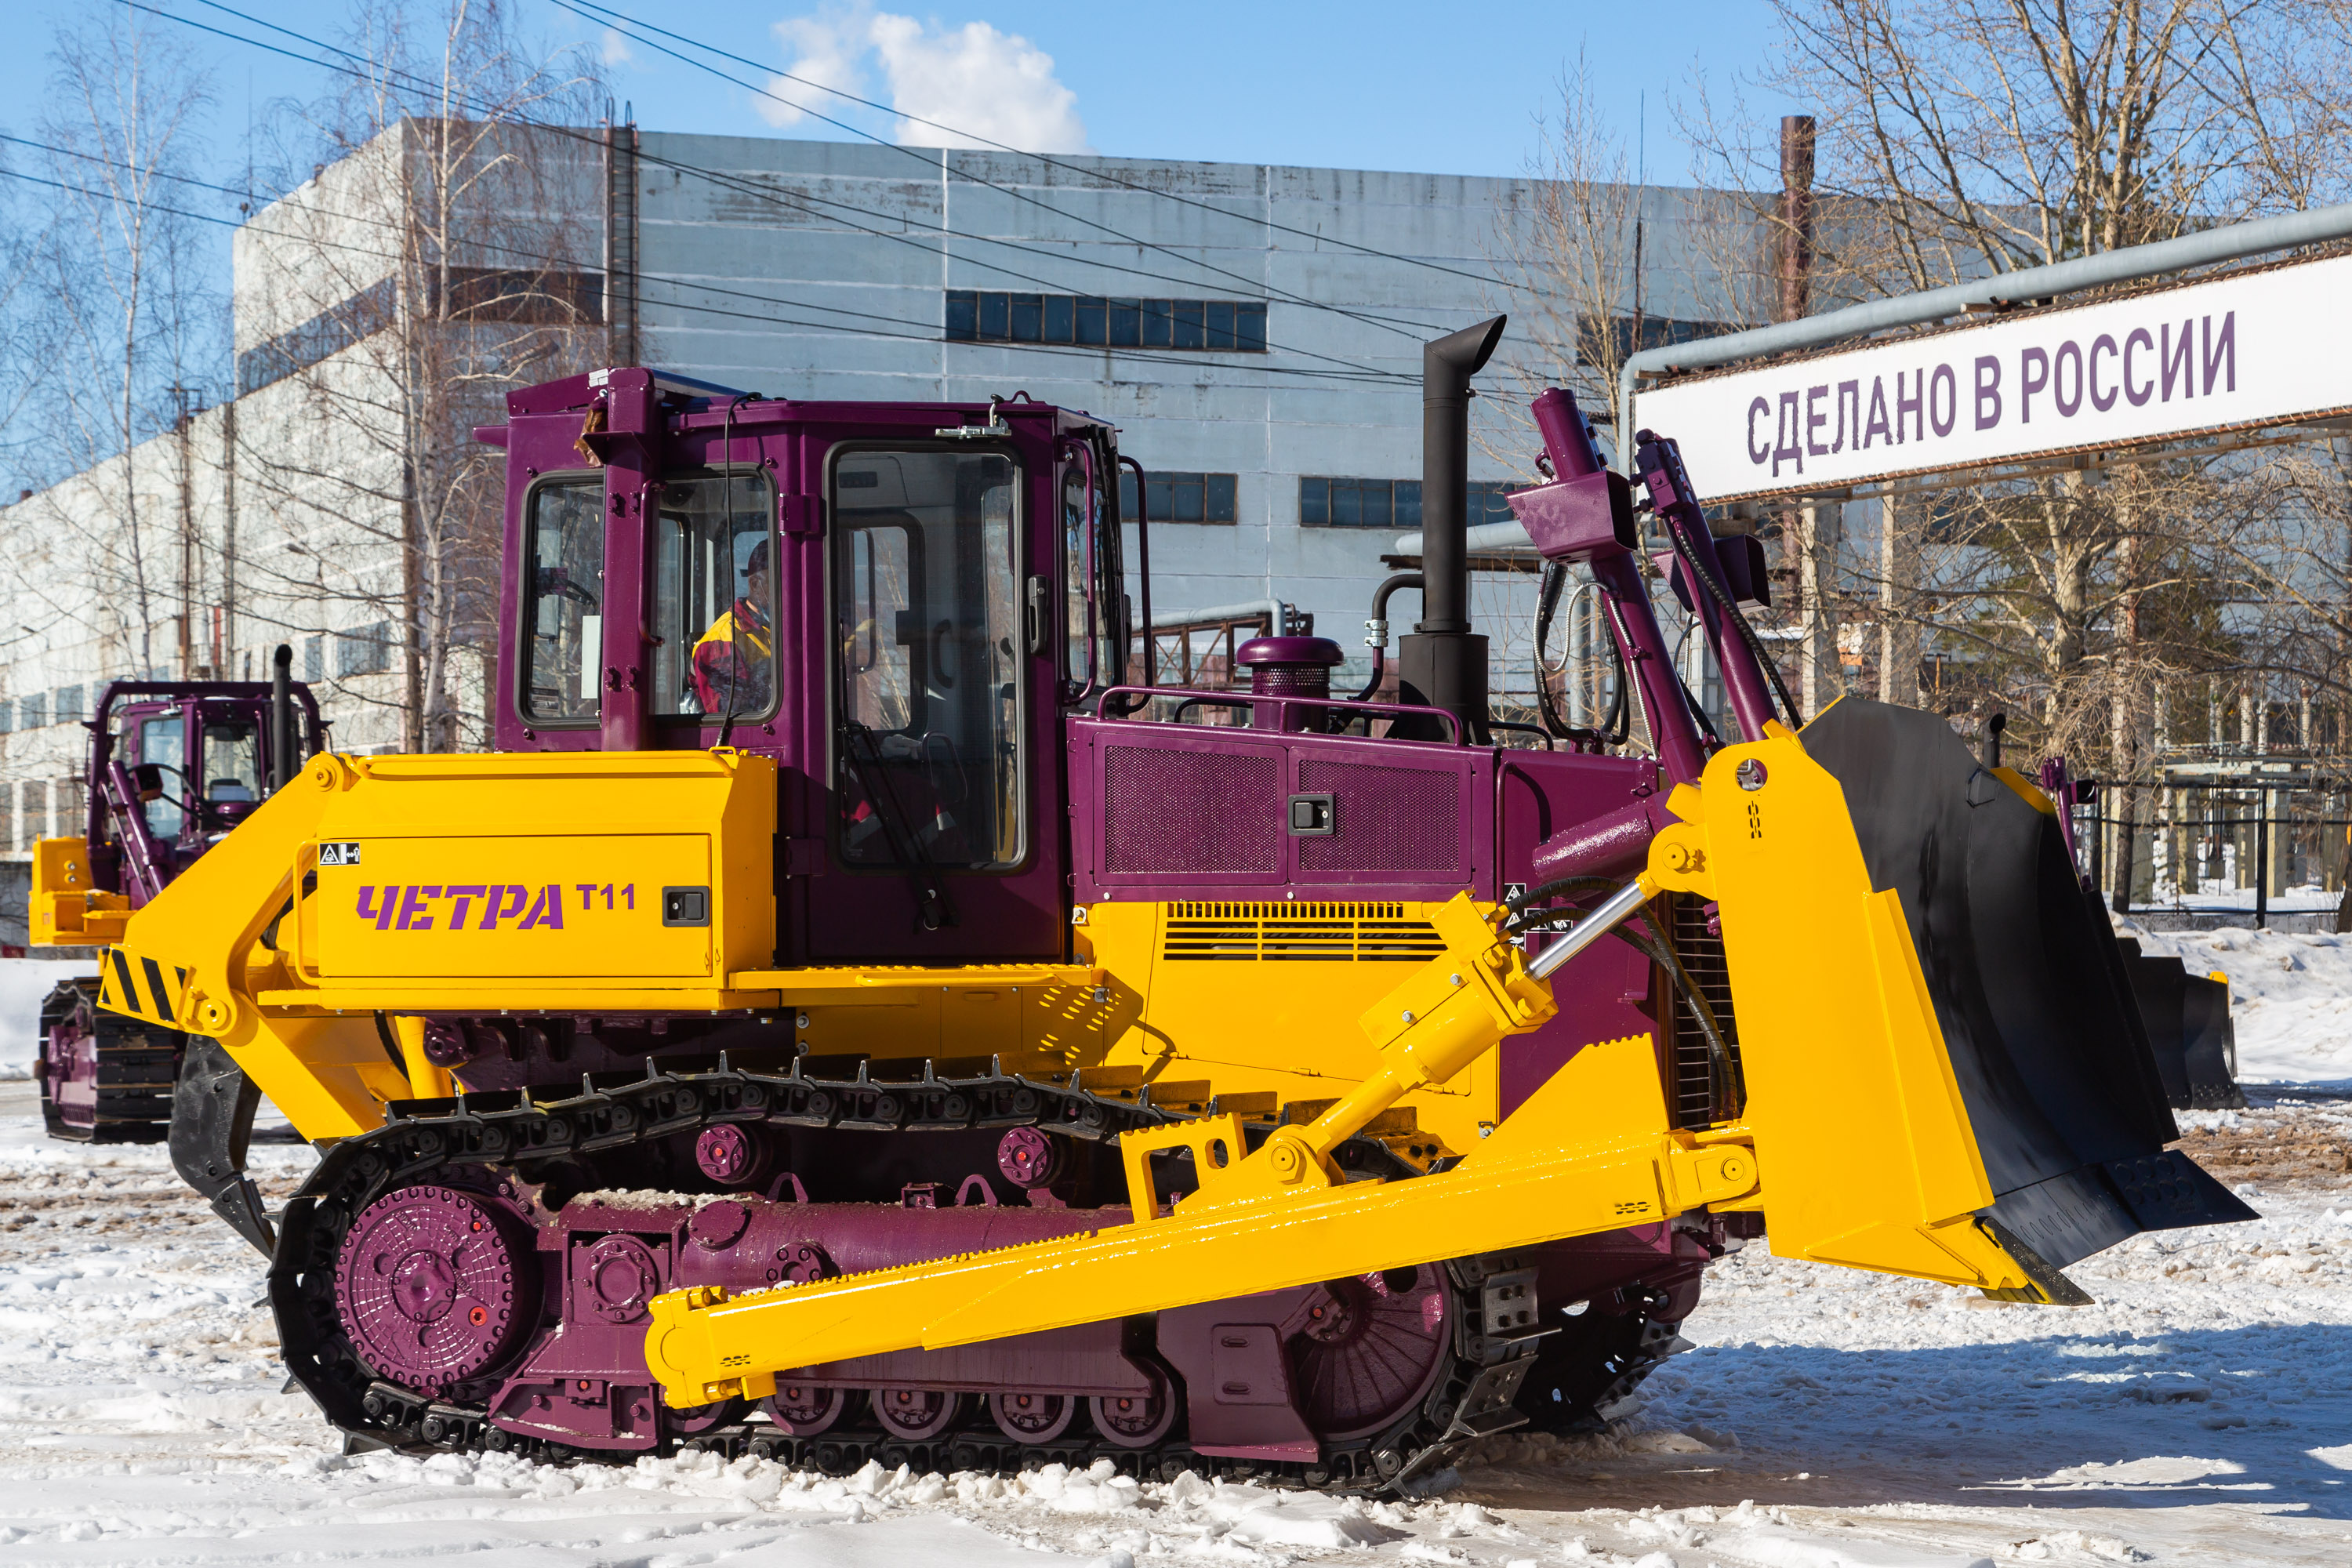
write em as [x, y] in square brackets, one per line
[281, 719]
[1443, 664]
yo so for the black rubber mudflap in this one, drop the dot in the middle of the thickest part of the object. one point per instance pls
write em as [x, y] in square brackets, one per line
[2188, 1021]
[2030, 988]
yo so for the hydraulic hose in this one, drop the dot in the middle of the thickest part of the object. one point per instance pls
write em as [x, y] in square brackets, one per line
[1724, 1092]
[1619, 723]
[1687, 553]
[1378, 627]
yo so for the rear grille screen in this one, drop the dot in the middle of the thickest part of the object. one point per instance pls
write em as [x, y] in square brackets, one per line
[1384, 818]
[1297, 932]
[1191, 811]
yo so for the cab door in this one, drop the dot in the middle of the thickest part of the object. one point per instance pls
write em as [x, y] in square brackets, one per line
[939, 796]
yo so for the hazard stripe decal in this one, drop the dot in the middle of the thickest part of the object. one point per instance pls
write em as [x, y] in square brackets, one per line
[130, 993]
[155, 985]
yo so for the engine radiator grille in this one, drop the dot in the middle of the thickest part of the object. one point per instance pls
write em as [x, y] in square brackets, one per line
[1297, 932]
[1702, 958]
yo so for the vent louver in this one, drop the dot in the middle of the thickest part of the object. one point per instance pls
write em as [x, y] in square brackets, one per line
[1297, 932]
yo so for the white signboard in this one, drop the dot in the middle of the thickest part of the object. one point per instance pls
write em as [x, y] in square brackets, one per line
[2265, 348]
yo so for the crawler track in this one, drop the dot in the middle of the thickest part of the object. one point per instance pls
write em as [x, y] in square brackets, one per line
[104, 1078]
[503, 1141]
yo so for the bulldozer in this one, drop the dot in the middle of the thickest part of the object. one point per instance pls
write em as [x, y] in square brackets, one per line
[854, 1015]
[172, 767]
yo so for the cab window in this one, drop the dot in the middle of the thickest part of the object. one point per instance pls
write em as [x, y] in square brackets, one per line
[164, 746]
[714, 597]
[927, 657]
[564, 623]
[232, 760]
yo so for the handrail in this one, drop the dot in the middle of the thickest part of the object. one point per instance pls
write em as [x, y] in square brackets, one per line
[1283, 705]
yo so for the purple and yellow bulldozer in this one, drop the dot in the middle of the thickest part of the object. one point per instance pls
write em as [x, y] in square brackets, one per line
[855, 1012]
[173, 767]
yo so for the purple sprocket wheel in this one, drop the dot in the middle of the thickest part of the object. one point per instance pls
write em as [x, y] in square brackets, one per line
[1370, 1350]
[431, 1286]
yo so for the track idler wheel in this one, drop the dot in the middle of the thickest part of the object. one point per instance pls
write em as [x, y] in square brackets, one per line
[1135, 1420]
[1032, 1417]
[916, 1414]
[800, 1411]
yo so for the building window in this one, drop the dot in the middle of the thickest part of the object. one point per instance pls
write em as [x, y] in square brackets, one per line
[541, 298]
[8, 715]
[32, 712]
[1180, 497]
[1486, 504]
[68, 705]
[1391, 503]
[1326, 502]
[364, 650]
[314, 658]
[1206, 326]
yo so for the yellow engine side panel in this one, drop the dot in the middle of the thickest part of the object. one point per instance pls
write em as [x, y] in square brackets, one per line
[1265, 998]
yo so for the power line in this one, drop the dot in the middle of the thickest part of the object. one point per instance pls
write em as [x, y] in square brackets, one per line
[805, 204]
[1046, 159]
[1384, 322]
[922, 336]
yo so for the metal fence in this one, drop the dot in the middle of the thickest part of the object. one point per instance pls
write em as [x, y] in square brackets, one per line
[2259, 837]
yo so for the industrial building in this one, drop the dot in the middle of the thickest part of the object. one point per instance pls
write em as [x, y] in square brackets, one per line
[1255, 330]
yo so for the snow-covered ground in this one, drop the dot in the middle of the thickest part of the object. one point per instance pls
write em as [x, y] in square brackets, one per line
[2199, 1413]
[2290, 996]
[23, 982]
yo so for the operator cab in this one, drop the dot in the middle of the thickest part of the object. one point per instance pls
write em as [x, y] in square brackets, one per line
[896, 603]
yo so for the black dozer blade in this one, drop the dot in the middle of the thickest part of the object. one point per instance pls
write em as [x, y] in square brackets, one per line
[2188, 1021]
[2029, 987]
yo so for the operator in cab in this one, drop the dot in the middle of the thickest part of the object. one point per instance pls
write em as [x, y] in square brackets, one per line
[734, 662]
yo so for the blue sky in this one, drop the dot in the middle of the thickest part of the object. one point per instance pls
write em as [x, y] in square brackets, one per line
[1377, 84]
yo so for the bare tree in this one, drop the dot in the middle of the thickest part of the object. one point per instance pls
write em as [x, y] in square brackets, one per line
[129, 318]
[439, 258]
[1985, 136]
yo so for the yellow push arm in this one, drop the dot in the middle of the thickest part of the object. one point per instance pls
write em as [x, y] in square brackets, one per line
[1592, 1150]
[1853, 1130]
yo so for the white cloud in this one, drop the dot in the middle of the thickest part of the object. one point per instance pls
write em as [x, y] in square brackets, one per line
[616, 48]
[986, 85]
[825, 48]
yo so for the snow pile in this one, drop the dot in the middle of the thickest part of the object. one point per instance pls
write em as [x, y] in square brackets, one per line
[2290, 996]
[23, 982]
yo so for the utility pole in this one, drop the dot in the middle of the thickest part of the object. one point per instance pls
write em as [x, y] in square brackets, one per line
[620, 239]
[1809, 552]
[228, 534]
[185, 398]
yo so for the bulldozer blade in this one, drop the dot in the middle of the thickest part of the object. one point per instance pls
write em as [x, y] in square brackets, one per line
[2027, 985]
[2188, 1021]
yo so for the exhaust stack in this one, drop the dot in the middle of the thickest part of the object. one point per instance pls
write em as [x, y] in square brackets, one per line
[1442, 663]
[281, 719]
